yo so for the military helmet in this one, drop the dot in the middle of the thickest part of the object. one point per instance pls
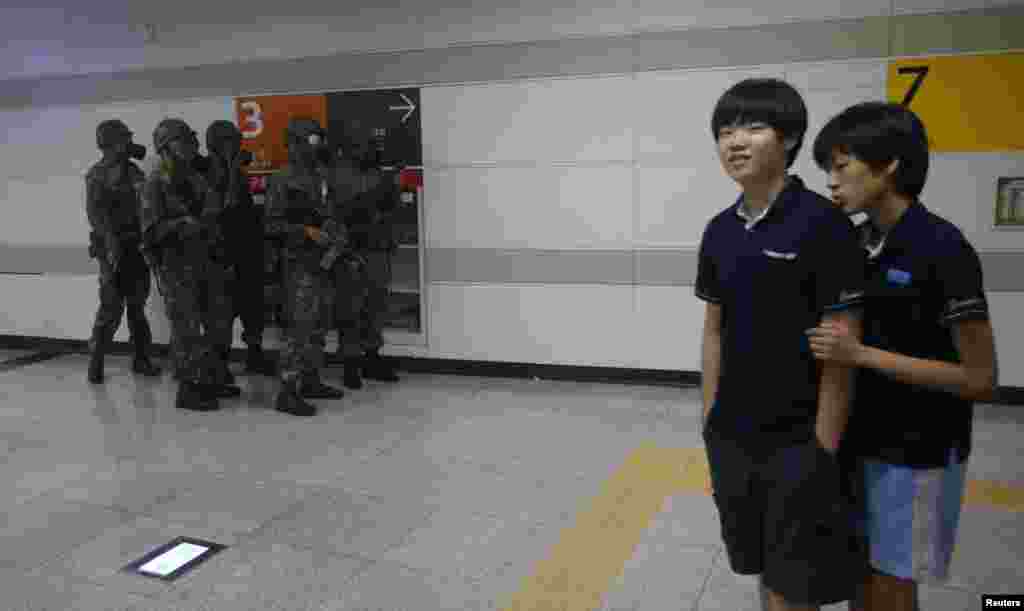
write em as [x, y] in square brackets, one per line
[300, 128]
[219, 130]
[168, 130]
[108, 131]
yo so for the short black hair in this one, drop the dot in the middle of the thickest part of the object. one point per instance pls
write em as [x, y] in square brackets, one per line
[877, 133]
[770, 101]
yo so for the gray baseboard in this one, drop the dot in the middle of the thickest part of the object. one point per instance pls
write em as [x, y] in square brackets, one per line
[45, 348]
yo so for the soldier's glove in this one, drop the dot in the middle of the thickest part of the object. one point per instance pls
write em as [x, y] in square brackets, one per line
[356, 263]
[313, 233]
[189, 228]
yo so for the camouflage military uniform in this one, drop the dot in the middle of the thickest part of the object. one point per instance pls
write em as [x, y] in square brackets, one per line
[191, 276]
[295, 199]
[362, 291]
[242, 226]
[112, 210]
[301, 198]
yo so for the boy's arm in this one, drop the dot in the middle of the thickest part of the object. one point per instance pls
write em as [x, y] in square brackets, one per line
[706, 288]
[840, 280]
[835, 392]
[974, 378]
[711, 356]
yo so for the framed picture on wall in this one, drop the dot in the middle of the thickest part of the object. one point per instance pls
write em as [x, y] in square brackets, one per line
[1009, 210]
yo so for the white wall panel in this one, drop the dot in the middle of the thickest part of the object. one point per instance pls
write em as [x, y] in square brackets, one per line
[673, 205]
[671, 110]
[601, 326]
[833, 76]
[1006, 309]
[61, 140]
[586, 119]
[44, 211]
[962, 188]
[668, 328]
[43, 142]
[822, 105]
[575, 325]
[64, 307]
[49, 306]
[546, 207]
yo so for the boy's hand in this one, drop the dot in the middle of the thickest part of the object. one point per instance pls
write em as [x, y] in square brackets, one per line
[832, 341]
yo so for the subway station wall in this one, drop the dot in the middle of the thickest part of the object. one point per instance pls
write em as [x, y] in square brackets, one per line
[44, 40]
[562, 215]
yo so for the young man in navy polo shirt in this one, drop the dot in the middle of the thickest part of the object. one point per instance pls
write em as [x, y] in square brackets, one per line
[771, 266]
[927, 354]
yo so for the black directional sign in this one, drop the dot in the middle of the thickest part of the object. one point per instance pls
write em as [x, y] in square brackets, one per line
[392, 115]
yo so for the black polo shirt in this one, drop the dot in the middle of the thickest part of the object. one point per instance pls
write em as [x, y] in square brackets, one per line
[925, 278]
[774, 279]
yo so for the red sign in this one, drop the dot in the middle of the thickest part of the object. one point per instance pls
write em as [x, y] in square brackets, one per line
[263, 120]
[410, 179]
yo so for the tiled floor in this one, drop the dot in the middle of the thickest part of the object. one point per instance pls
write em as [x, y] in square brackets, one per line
[450, 493]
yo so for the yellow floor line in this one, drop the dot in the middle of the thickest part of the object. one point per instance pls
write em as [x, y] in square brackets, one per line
[591, 554]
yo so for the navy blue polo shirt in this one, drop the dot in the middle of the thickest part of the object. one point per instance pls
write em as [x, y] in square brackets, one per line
[923, 279]
[774, 279]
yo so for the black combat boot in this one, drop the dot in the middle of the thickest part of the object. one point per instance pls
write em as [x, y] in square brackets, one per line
[352, 377]
[222, 376]
[313, 388]
[227, 377]
[289, 400]
[213, 375]
[376, 368]
[256, 361]
[96, 366]
[220, 391]
[142, 365]
[191, 397]
[142, 339]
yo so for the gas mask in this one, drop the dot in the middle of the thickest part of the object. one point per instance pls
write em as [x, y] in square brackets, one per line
[136, 151]
[319, 150]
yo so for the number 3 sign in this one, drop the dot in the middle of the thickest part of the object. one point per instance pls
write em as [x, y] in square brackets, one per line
[263, 120]
[968, 103]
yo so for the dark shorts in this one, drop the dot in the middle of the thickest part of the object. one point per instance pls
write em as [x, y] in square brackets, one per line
[786, 516]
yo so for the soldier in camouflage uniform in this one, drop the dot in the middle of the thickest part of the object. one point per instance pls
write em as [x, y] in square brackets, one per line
[242, 226]
[301, 198]
[180, 215]
[112, 209]
[362, 293]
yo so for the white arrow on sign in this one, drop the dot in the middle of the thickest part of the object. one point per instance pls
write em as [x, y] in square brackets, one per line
[408, 106]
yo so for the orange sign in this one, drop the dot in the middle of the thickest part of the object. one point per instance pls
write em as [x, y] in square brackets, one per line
[263, 120]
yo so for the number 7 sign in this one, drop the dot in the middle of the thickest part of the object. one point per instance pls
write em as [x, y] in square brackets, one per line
[968, 103]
